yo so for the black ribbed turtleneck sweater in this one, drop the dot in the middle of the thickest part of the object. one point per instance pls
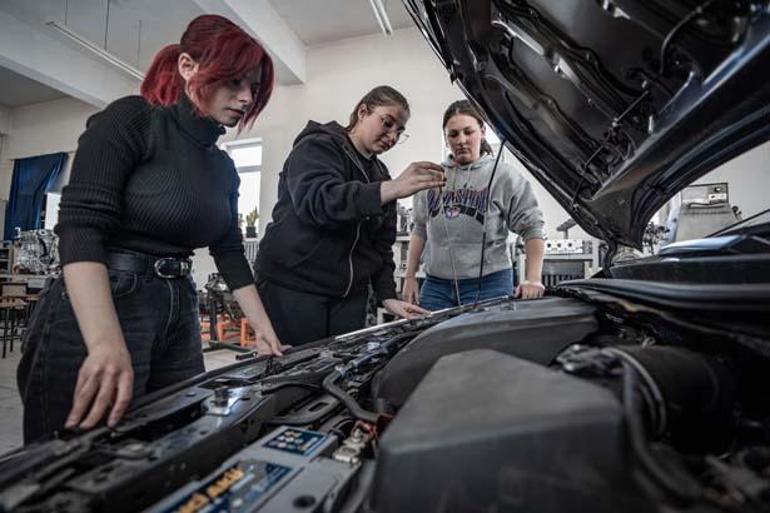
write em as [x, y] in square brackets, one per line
[151, 179]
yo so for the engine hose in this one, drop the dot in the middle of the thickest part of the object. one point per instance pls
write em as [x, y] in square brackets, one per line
[484, 224]
[675, 485]
[285, 384]
[692, 15]
[660, 415]
[347, 400]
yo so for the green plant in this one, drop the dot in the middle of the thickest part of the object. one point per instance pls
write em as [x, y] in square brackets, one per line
[251, 217]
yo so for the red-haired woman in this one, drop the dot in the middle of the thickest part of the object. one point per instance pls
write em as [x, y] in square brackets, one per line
[148, 186]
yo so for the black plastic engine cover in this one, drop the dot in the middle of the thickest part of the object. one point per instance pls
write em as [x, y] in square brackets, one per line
[488, 432]
[535, 330]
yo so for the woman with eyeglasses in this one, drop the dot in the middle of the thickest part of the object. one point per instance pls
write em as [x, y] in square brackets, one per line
[334, 224]
[450, 223]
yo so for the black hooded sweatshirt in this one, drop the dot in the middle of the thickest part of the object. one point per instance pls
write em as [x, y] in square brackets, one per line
[329, 234]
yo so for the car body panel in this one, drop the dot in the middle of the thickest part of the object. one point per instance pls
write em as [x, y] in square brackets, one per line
[578, 92]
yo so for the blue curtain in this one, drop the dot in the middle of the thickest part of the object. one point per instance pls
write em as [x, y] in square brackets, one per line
[32, 178]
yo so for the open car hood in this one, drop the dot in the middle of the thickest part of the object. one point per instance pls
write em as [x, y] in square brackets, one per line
[613, 105]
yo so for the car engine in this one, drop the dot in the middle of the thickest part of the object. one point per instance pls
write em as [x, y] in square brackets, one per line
[579, 401]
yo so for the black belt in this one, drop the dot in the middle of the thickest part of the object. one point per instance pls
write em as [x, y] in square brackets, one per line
[162, 267]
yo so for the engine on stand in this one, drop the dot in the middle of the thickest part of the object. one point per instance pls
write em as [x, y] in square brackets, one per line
[35, 258]
[222, 317]
[37, 252]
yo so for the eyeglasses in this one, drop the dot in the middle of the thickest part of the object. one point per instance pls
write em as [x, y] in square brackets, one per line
[390, 125]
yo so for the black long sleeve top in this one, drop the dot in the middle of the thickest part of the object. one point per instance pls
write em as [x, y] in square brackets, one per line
[151, 179]
[330, 235]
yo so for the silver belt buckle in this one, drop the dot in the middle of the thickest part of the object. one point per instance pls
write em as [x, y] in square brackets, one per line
[160, 273]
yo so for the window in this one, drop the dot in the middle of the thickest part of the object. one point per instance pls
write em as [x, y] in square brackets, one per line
[247, 155]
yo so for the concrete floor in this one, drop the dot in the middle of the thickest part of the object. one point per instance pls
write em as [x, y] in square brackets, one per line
[10, 403]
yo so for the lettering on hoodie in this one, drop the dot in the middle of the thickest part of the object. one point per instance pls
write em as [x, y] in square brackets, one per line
[464, 201]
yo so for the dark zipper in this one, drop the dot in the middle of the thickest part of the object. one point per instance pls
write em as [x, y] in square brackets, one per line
[358, 226]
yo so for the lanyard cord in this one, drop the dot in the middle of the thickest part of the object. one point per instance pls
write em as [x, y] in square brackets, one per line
[449, 240]
[484, 223]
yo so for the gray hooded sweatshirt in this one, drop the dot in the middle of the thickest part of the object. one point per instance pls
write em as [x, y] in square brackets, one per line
[452, 224]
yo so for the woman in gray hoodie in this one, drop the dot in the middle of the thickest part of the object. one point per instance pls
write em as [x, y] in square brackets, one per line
[451, 222]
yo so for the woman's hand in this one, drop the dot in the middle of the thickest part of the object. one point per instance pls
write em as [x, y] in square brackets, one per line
[529, 290]
[416, 177]
[106, 379]
[267, 341]
[411, 289]
[404, 309]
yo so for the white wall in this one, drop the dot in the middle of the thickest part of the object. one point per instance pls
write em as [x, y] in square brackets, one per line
[40, 129]
[6, 173]
[5, 121]
[47, 127]
[5, 167]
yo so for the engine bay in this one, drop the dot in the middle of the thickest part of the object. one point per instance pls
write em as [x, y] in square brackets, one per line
[568, 403]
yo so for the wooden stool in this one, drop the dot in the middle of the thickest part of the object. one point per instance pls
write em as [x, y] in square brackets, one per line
[248, 338]
[10, 312]
[225, 325]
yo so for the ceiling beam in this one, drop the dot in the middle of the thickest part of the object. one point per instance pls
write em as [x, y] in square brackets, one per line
[382, 17]
[264, 23]
[40, 54]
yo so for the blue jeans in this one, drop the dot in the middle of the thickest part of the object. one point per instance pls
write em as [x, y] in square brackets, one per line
[438, 293]
[159, 319]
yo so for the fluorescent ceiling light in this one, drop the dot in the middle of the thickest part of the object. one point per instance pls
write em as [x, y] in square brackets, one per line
[382, 17]
[98, 51]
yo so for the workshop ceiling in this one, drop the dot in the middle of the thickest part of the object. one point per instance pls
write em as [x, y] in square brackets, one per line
[17, 90]
[133, 30]
[319, 22]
